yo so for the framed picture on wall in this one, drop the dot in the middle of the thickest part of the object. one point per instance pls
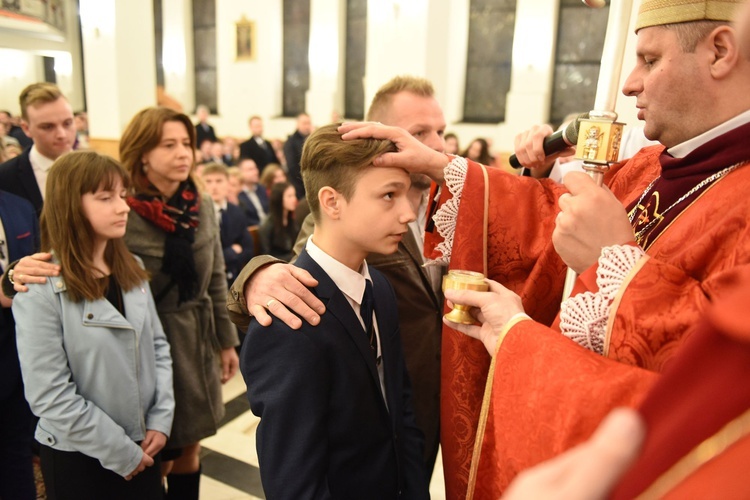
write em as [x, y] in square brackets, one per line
[245, 40]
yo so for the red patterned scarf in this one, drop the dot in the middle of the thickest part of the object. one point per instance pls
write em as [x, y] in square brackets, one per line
[179, 218]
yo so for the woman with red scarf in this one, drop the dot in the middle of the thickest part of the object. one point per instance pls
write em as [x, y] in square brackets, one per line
[176, 234]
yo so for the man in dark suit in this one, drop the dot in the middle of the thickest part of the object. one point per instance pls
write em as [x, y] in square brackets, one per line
[253, 198]
[257, 148]
[336, 417]
[19, 237]
[235, 238]
[293, 152]
[48, 120]
[203, 131]
[409, 103]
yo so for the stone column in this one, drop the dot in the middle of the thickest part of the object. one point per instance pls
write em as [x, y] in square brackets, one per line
[120, 68]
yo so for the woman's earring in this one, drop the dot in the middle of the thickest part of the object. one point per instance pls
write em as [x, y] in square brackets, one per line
[145, 168]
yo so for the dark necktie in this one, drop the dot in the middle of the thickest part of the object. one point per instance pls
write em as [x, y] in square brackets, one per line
[366, 311]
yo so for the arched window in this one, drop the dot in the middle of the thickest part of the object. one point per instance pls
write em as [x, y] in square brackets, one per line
[204, 47]
[580, 40]
[296, 65]
[488, 63]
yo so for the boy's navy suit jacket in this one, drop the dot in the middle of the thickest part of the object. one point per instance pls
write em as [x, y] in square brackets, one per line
[325, 431]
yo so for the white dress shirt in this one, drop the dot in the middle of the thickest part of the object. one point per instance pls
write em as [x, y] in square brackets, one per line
[687, 147]
[41, 165]
[256, 203]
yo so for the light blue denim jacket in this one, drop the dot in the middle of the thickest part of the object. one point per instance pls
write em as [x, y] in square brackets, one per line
[96, 380]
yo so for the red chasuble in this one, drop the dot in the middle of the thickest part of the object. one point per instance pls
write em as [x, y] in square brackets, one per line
[548, 393]
[698, 414]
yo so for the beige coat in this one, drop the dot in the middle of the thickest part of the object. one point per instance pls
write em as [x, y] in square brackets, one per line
[196, 330]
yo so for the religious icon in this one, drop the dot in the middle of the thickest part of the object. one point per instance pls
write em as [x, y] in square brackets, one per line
[245, 40]
[591, 143]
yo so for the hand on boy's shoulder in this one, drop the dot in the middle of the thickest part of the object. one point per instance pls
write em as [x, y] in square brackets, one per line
[281, 290]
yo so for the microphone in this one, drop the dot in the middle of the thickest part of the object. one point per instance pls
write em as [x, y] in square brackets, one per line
[559, 141]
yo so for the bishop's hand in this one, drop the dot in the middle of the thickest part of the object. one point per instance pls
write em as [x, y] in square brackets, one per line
[590, 219]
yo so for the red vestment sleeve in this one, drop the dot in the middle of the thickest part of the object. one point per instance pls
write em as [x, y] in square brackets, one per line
[549, 394]
[704, 389]
[522, 258]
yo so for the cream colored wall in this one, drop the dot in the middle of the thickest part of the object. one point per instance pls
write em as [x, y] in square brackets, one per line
[426, 38]
[421, 37]
[247, 88]
[18, 67]
[120, 66]
[177, 51]
[23, 43]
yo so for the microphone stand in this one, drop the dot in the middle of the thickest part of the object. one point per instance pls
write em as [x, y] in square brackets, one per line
[600, 135]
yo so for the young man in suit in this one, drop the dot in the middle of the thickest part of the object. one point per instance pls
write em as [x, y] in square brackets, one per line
[253, 198]
[336, 416]
[19, 236]
[257, 148]
[408, 102]
[48, 119]
[235, 238]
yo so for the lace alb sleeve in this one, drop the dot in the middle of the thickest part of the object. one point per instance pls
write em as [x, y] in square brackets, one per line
[445, 216]
[583, 318]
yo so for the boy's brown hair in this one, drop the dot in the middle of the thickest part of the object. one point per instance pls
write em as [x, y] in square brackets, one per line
[215, 168]
[327, 160]
[38, 93]
[66, 230]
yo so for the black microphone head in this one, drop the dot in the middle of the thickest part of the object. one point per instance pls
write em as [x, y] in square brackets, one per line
[571, 131]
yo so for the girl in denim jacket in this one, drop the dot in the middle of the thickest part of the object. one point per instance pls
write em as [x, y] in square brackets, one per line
[95, 361]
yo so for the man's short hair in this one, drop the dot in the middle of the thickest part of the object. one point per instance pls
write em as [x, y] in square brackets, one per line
[327, 160]
[38, 93]
[690, 34]
[245, 159]
[234, 172]
[215, 168]
[254, 117]
[404, 83]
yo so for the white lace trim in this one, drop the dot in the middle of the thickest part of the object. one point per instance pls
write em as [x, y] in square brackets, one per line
[445, 217]
[615, 263]
[583, 318]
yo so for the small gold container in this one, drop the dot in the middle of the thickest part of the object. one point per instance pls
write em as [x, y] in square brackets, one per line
[463, 280]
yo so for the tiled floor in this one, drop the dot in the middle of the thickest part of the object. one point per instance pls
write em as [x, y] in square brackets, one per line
[229, 460]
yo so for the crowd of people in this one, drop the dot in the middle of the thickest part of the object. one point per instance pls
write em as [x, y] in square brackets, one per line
[120, 279]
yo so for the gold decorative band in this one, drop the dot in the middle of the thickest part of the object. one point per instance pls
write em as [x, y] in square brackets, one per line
[713, 446]
[661, 12]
